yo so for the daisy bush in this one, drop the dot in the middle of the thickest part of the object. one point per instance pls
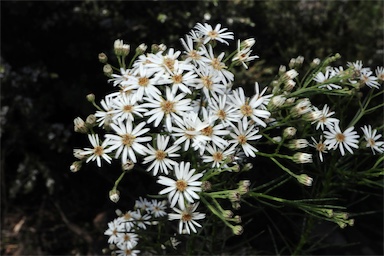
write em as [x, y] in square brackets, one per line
[180, 116]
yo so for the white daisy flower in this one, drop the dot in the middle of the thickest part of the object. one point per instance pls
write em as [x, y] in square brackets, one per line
[142, 204]
[187, 217]
[128, 139]
[325, 118]
[220, 109]
[127, 220]
[190, 131]
[106, 117]
[184, 187]
[126, 240]
[368, 79]
[322, 79]
[126, 107]
[179, 79]
[260, 95]
[372, 139]
[114, 227]
[123, 77]
[319, 146]
[217, 156]
[157, 208]
[160, 157]
[159, 63]
[243, 54]
[216, 34]
[142, 83]
[336, 138]
[216, 132]
[98, 151]
[173, 106]
[141, 219]
[209, 82]
[242, 135]
[219, 68]
[127, 252]
[191, 53]
[248, 109]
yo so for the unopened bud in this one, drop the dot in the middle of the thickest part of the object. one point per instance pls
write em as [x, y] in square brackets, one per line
[302, 158]
[76, 166]
[237, 230]
[227, 214]
[91, 97]
[79, 125]
[305, 179]
[247, 167]
[206, 186]
[289, 132]
[141, 48]
[114, 195]
[107, 69]
[103, 58]
[91, 120]
[128, 165]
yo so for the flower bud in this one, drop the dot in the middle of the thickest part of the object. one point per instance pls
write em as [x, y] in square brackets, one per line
[107, 69]
[91, 97]
[289, 132]
[206, 186]
[315, 62]
[305, 179]
[76, 166]
[298, 144]
[141, 48]
[302, 158]
[247, 167]
[90, 120]
[237, 230]
[80, 125]
[302, 107]
[114, 195]
[128, 165]
[103, 58]
[237, 219]
[227, 214]
[78, 153]
[276, 102]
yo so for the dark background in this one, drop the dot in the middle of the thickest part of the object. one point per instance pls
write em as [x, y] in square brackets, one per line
[49, 64]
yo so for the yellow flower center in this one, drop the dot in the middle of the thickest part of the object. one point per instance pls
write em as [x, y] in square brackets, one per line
[242, 139]
[207, 82]
[128, 108]
[98, 150]
[221, 114]
[128, 139]
[186, 216]
[246, 110]
[143, 81]
[160, 154]
[167, 106]
[217, 156]
[207, 131]
[340, 137]
[181, 185]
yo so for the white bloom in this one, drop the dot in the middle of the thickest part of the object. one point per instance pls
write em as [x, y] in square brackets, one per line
[142, 204]
[187, 217]
[209, 82]
[159, 63]
[380, 73]
[160, 157]
[226, 77]
[125, 106]
[322, 79]
[217, 156]
[336, 138]
[249, 109]
[157, 208]
[242, 135]
[127, 240]
[179, 79]
[123, 77]
[106, 117]
[98, 151]
[192, 54]
[114, 228]
[127, 141]
[142, 83]
[325, 118]
[216, 34]
[370, 80]
[220, 109]
[127, 252]
[260, 95]
[184, 187]
[372, 139]
[243, 54]
[319, 146]
[190, 130]
[173, 106]
[216, 132]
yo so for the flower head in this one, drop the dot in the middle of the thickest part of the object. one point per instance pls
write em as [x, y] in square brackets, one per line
[336, 138]
[184, 187]
[372, 139]
[187, 217]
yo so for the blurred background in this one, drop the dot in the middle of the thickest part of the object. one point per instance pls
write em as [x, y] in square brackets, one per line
[49, 64]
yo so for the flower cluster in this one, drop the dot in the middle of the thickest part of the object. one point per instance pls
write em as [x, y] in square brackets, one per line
[179, 115]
